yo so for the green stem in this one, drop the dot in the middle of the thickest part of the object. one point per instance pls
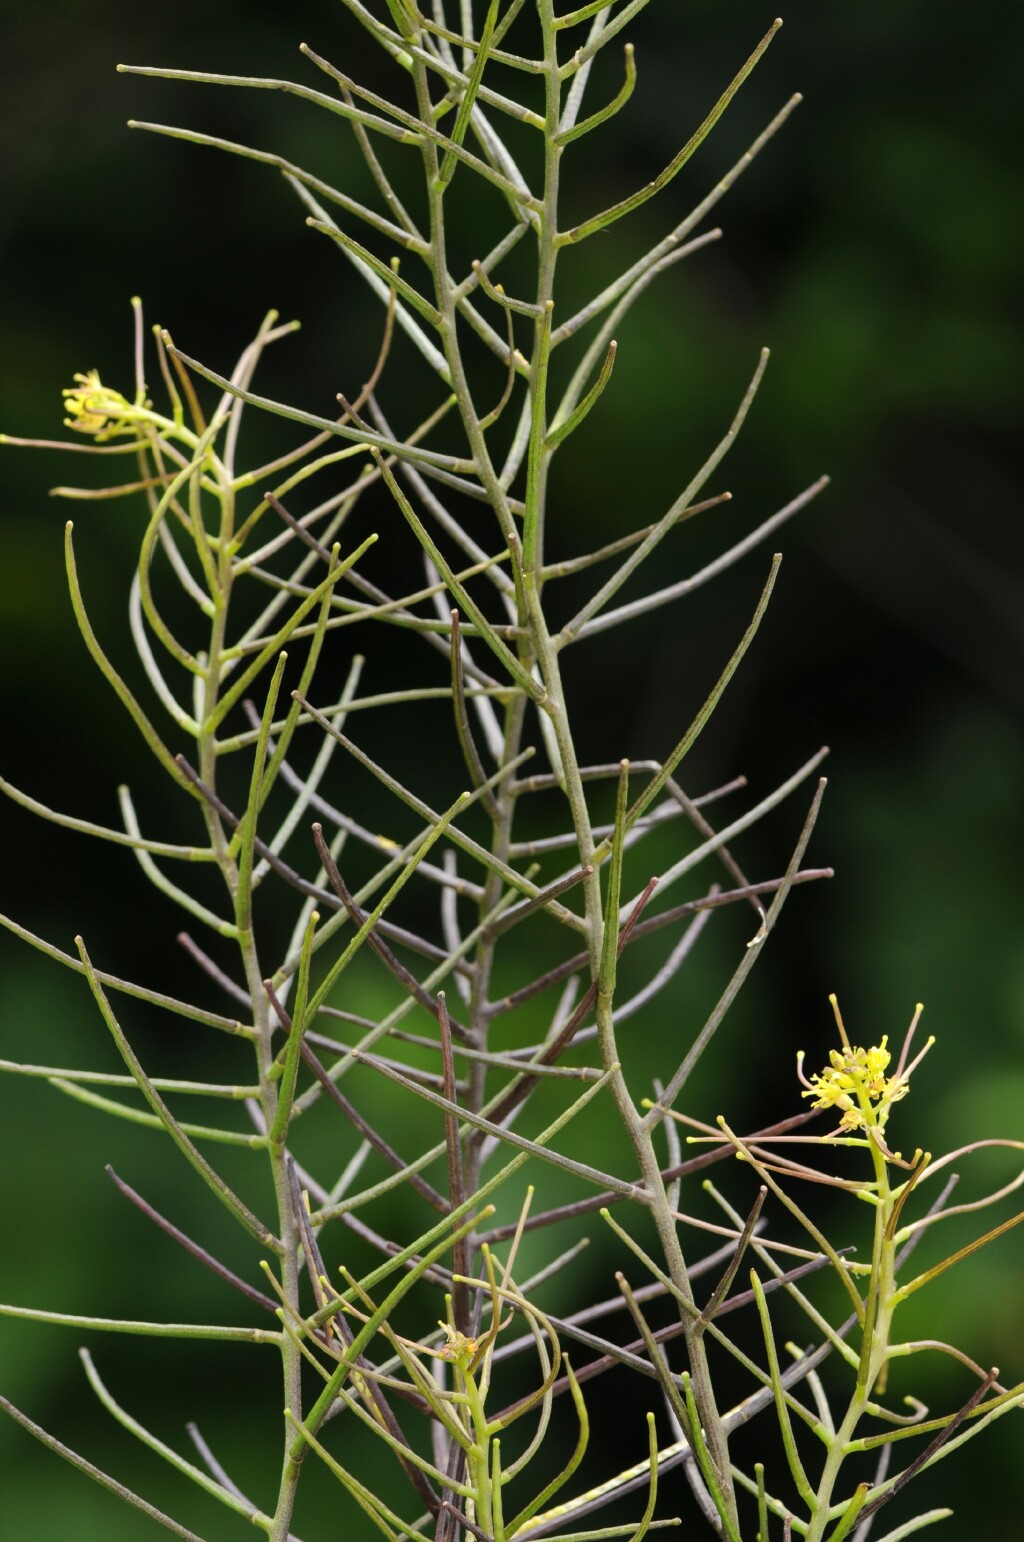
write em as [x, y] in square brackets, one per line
[238, 885]
[875, 1349]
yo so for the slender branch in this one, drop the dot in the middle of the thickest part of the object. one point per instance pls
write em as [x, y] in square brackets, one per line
[97, 1475]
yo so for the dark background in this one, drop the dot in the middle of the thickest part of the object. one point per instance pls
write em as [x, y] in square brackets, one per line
[875, 247]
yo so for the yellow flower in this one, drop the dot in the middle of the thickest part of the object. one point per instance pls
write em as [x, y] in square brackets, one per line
[459, 1347]
[855, 1082]
[95, 409]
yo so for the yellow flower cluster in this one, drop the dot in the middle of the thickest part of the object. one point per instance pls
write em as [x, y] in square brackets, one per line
[93, 408]
[856, 1083]
[459, 1348]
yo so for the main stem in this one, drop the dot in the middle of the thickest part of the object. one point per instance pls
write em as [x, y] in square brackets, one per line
[242, 900]
[547, 657]
[535, 646]
[875, 1353]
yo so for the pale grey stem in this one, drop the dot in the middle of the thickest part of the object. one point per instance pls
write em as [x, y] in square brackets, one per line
[574, 99]
[744, 822]
[597, 602]
[669, 969]
[704, 575]
[752, 954]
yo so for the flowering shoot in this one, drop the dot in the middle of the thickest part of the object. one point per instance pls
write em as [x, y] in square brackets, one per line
[93, 408]
[855, 1080]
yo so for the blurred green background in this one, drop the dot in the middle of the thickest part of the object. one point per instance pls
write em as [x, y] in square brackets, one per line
[875, 248]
